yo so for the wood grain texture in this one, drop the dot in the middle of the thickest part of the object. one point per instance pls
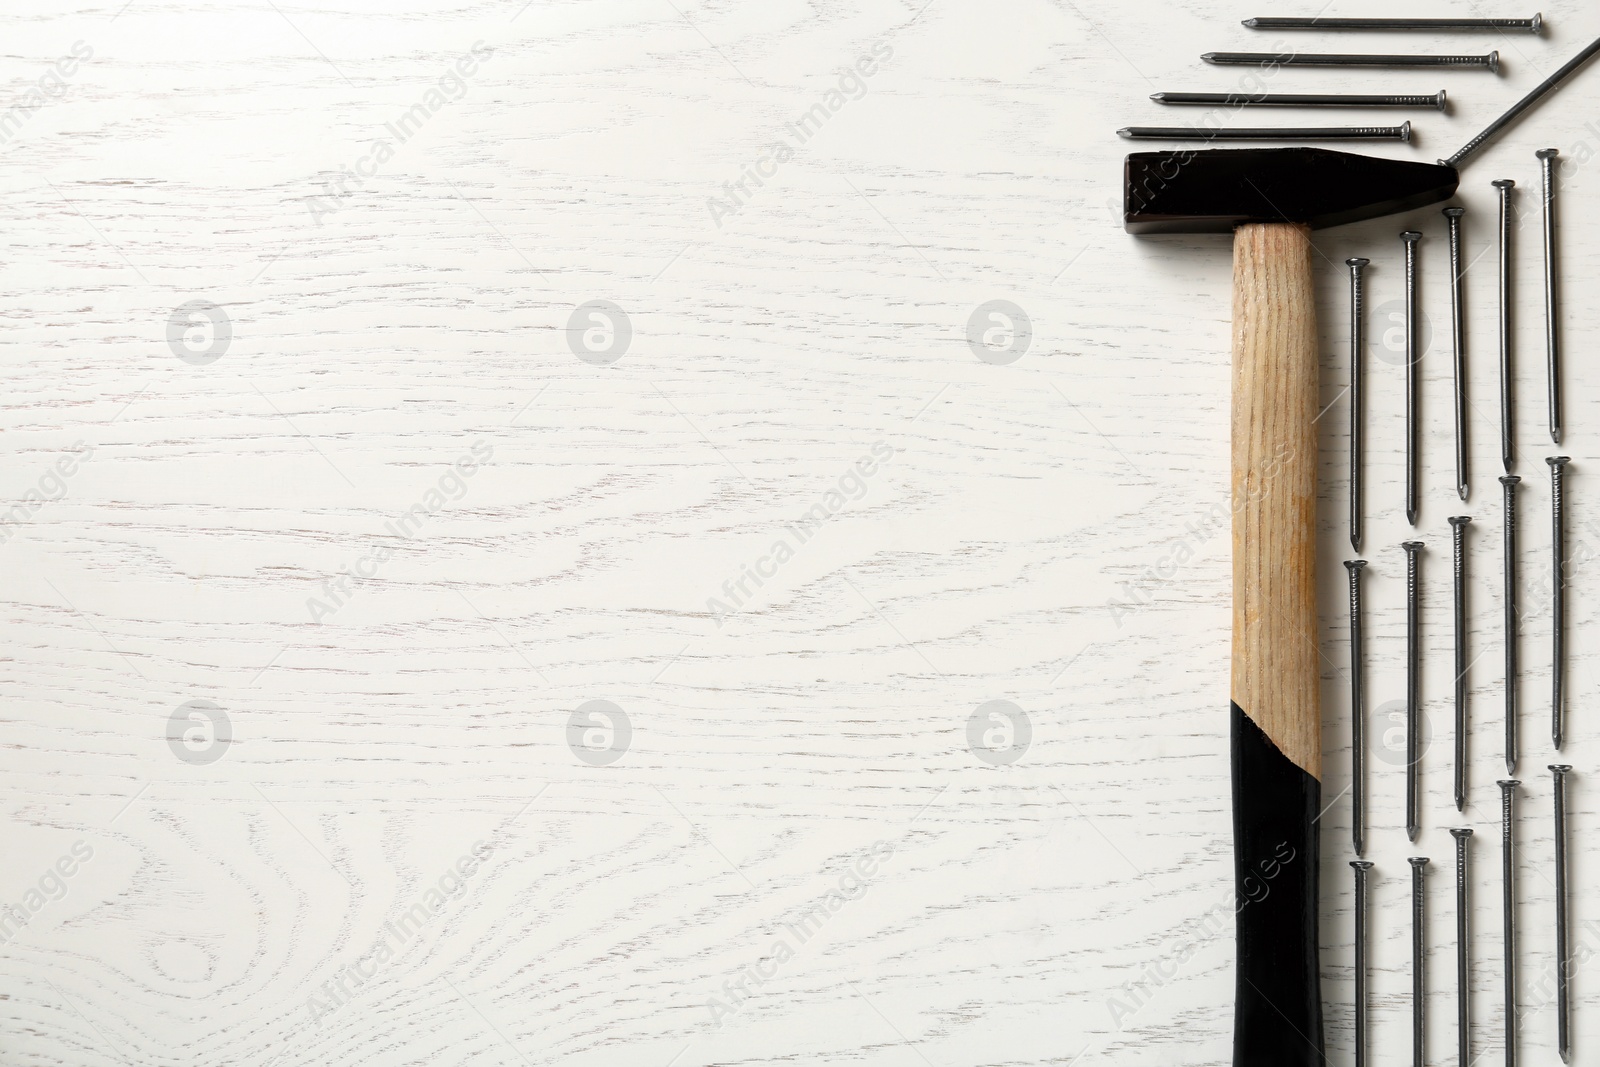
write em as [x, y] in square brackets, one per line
[1276, 677]
[1051, 532]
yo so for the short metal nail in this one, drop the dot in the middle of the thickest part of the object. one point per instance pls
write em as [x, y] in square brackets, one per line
[1358, 713]
[1413, 425]
[1458, 531]
[1558, 598]
[1418, 963]
[1413, 691]
[1507, 381]
[1552, 318]
[1458, 334]
[1510, 596]
[1361, 869]
[1508, 896]
[1358, 409]
[1559, 772]
[1489, 61]
[1463, 950]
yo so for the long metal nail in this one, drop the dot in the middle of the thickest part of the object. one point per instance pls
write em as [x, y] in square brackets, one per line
[1508, 896]
[1563, 957]
[1552, 318]
[1510, 597]
[1438, 101]
[1458, 531]
[1463, 950]
[1413, 427]
[1358, 406]
[1361, 869]
[1317, 22]
[1413, 689]
[1489, 62]
[1458, 333]
[1418, 963]
[1507, 383]
[1401, 132]
[1520, 108]
[1558, 597]
[1358, 713]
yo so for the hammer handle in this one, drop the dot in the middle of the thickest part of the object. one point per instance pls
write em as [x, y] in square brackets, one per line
[1276, 719]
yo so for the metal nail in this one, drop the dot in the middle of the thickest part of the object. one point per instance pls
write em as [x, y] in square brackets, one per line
[1517, 110]
[1401, 132]
[1558, 597]
[1463, 950]
[1507, 383]
[1413, 689]
[1510, 597]
[1508, 898]
[1438, 101]
[1358, 713]
[1358, 409]
[1413, 426]
[1458, 334]
[1458, 531]
[1547, 165]
[1418, 963]
[1532, 25]
[1559, 772]
[1361, 869]
[1489, 62]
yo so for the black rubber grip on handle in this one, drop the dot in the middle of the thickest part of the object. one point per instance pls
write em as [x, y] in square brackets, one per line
[1278, 1016]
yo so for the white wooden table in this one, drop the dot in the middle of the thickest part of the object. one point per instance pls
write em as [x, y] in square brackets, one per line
[309, 418]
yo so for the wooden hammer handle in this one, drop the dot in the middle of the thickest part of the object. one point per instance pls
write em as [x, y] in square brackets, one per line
[1275, 685]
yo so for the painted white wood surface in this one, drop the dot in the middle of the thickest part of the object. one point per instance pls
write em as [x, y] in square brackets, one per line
[381, 729]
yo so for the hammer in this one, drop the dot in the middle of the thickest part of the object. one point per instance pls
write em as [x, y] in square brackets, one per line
[1270, 200]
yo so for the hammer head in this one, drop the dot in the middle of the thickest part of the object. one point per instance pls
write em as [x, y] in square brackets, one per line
[1215, 190]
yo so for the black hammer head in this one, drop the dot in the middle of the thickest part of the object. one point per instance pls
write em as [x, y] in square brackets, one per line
[1214, 190]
